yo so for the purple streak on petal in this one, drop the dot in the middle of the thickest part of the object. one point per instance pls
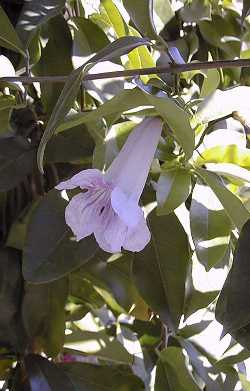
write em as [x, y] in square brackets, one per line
[137, 237]
[86, 179]
[127, 209]
[129, 170]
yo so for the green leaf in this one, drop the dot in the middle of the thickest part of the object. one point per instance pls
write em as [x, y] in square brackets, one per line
[178, 121]
[98, 344]
[172, 189]
[11, 290]
[210, 226]
[164, 260]
[172, 373]
[210, 83]
[226, 154]
[164, 11]
[73, 145]
[114, 49]
[232, 308]
[234, 208]
[197, 300]
[45, 327]
[17, 159]
[141, 14]
[8, 37]
[44, 375]
[35, 13]
[112, 278]
[57, 32]
[50, 251]
[98, 378]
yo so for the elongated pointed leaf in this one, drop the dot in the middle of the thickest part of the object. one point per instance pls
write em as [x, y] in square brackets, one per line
[232, 204]
[8, 37]
[164, 260]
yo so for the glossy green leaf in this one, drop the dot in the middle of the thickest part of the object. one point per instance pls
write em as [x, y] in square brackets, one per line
[8, 37]
[234, 208]
[210, 226]
[17, 159]
[210, 83]
[98, 378]
[172, 189]
[164, 260]
[172, 373]
[50, 251]
[45, 327]
[232, 308]
[226, 154]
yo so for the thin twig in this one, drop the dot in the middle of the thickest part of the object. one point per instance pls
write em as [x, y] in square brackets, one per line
[170, 68]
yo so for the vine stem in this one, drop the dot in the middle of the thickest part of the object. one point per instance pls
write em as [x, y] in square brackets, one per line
[170, 68]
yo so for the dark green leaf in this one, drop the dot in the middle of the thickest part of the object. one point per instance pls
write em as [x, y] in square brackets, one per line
[160, 269]
[44, 315]
[49, 64]
[99, 378]
[11, 291]
[246, 9]
[44, 375]
[34, 13]
[17, 159]
[233, 309]
[195, 11]
[50, 251]
[8, 37]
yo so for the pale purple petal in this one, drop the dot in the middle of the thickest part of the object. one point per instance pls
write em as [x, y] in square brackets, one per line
[127, 209]
[85, 179]
[82, 216]
[137, 237]
[111, 234]
[129, 170]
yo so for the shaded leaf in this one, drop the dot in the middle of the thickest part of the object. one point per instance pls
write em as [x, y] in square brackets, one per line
[97, 378]
[8, 37]
[232, 308]
[45, 328]
[44, 375]
[50, 251]
[165, 261]
[17, 159]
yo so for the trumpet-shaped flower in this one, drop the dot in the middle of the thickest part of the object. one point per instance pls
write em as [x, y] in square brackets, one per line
[109, 206]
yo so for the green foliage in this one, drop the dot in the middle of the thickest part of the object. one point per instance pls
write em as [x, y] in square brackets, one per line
[74, 317]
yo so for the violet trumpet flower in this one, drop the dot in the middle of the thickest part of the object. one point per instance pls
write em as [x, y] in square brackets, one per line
[109, 208]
